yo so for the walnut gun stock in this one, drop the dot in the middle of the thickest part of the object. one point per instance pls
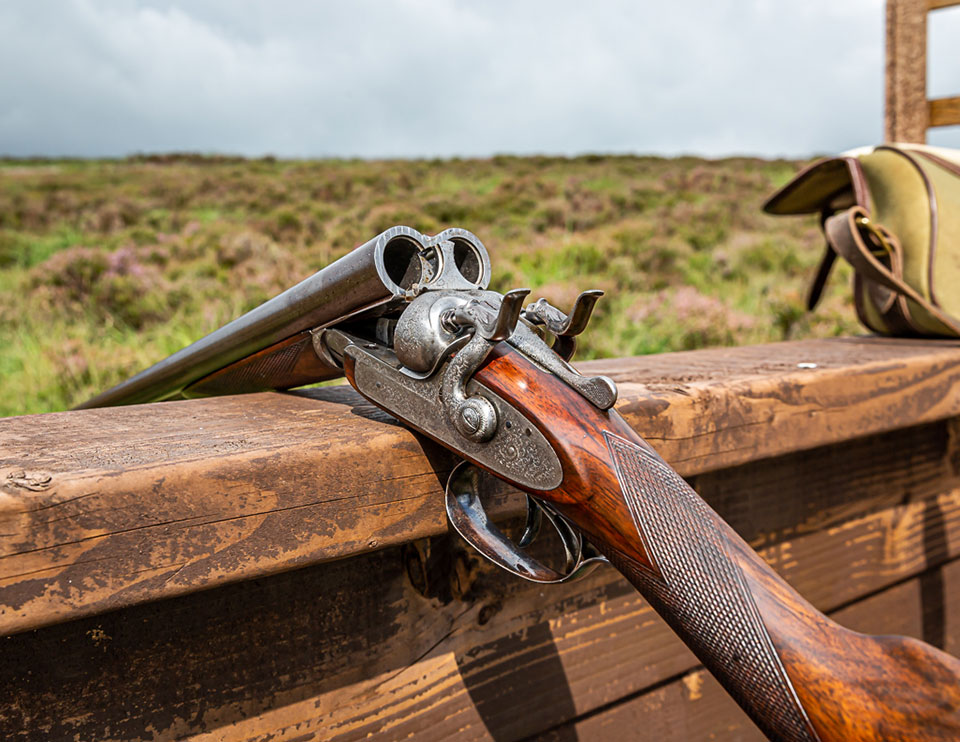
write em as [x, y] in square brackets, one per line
[798, 674]
[416, 332]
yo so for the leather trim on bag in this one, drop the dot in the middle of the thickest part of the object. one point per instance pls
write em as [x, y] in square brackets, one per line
[894, 307]
[861, 195]
[858, 291]
[812, 188]
[861, 191]
[953, 167]
[843, 233]
[934, 221]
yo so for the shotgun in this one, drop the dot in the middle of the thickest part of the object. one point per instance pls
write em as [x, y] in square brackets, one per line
[410, 322]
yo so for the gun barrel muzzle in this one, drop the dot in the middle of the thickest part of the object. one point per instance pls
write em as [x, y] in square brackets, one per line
[371, 279]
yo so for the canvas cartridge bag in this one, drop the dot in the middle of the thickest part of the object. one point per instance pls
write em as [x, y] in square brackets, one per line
[893, 213]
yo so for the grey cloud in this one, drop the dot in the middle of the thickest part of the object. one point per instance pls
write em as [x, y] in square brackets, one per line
[444, 77]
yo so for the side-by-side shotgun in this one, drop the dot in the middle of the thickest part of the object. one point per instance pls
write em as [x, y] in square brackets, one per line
[410, 322]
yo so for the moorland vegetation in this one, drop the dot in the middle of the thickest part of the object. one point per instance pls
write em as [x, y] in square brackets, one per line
[109, 266]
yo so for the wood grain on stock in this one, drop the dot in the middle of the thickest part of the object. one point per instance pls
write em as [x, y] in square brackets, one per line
[248, 486]
[800, 676]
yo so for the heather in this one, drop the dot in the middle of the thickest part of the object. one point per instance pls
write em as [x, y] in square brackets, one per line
[108, 266]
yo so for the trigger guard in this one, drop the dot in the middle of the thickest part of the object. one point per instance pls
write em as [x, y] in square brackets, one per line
[534, 520]
[470, 520]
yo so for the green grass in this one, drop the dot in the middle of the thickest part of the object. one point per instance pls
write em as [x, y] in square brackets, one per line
[109, 266]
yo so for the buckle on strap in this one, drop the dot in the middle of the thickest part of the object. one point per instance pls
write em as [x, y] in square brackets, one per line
[881, 245]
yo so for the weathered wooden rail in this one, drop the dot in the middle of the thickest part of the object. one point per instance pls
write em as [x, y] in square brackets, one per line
[276, 566]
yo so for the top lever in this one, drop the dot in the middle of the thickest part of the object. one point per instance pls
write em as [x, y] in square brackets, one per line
[564, 326]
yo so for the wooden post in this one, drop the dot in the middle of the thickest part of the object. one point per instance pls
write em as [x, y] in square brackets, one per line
[908, 112]
[906, 85]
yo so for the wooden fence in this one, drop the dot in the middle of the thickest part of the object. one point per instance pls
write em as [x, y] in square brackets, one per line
[908, 112]
[277, 566]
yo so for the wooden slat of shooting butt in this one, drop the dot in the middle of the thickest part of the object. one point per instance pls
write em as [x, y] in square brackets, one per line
[944, 111]
[353, 649]
[694, 707]
[101, 509]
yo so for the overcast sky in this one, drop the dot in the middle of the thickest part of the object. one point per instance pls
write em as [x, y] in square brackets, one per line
[308, 78]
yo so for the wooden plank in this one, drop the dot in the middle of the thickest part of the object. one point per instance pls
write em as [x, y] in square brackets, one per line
[709, 410]
[938, 4]
[350, 649]
[694, 708]
[906, 72]
[944, 111]
[101, 509]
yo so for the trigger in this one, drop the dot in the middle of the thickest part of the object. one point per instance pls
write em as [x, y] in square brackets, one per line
[534, 520]
[468, 518]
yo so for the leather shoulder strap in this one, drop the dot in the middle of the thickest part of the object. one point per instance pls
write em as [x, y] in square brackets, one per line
[823, 270]
[856, 192]
[845, 238]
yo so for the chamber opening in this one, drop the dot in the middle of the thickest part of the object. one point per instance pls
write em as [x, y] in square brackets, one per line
[467, 260]
[432, 258]
[402, 261]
